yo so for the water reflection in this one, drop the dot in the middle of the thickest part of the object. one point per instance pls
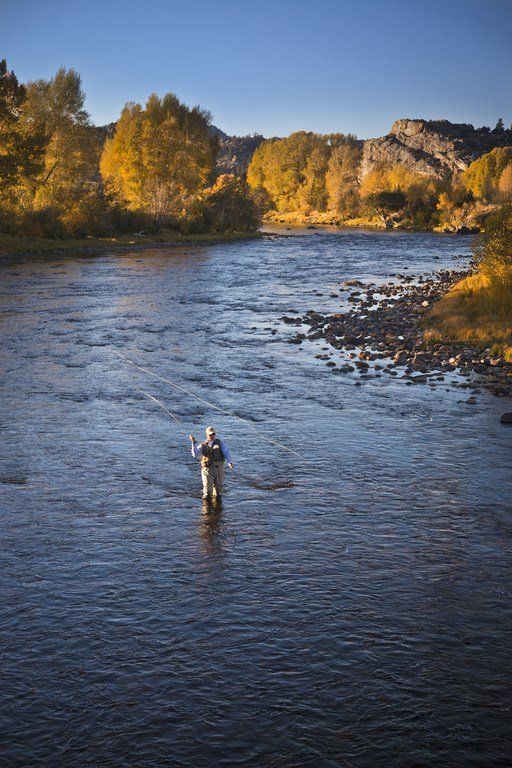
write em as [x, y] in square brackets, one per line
[211, 522]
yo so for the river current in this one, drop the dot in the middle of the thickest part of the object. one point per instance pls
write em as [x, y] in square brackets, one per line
[348, 608]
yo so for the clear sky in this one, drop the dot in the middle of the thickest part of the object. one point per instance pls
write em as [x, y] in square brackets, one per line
[276, 66]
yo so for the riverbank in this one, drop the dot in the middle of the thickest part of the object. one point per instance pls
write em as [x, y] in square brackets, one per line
[466, 314]
[462, 225]
[16, 248]
[314, 219]
[385, 333]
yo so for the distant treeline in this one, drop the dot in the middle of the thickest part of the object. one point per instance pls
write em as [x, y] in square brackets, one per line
[59, 178]
[310, 173]
[156, 169]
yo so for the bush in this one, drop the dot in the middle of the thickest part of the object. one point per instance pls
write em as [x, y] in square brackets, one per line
[45, 222]
[226, 207]
[495, 253]
[385, 203]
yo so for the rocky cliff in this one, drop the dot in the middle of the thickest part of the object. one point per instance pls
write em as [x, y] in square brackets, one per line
[434, 148]
[235, 152]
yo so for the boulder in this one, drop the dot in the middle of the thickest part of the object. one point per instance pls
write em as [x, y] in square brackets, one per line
[506, 418]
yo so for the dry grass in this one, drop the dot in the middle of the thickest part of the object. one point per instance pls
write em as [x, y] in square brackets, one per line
[472, 312]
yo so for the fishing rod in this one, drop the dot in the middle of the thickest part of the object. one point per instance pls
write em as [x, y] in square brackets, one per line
[205, 402]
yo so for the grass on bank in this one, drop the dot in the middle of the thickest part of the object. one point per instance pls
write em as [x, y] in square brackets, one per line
[301, 218]
[29, 246]
[473, 312]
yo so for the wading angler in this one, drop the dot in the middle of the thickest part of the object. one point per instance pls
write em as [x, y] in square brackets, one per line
[213, 454]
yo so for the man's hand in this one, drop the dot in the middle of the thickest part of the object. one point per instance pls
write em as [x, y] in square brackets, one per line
[231, 466]
[192, 438]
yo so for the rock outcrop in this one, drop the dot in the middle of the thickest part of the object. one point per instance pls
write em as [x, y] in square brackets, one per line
[435, 148]
[235, 152]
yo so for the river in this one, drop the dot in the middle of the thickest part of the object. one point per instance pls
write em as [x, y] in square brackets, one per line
[348, 608]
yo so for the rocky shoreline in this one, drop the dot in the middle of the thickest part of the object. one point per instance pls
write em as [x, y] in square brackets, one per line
[383, 334]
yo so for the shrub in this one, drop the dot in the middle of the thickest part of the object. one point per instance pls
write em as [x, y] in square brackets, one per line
[226, 207]
[495, 253]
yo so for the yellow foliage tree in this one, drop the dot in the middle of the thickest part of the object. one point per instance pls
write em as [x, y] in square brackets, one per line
[391, 178]
[160, 156]
[483, 176]
[292, 171]
[341, 178]
[505, 182]
[73, 150]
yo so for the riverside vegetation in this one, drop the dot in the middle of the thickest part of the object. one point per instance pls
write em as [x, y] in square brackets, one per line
[61, 178]
[423, 175]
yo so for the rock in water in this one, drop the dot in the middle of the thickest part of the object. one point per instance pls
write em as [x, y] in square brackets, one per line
[506, 418]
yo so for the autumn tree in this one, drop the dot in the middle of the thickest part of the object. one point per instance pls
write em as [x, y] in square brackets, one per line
[505, 182]
[419, 192]
[22, 144]
[385, 203]
[312, 193]
[454, 206]
[495, 255]
[160, 156]
[292, 171]
[68, 185]
[226, 206]
[341, 178]
[482, 177]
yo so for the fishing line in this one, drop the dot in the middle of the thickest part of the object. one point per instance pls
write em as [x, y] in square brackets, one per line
[211, 405]
[257, 481]
[254, 479]
[161, 406]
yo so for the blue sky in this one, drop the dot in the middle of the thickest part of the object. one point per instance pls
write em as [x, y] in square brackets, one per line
[275, 67]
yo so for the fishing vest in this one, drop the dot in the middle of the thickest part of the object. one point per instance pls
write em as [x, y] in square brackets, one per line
[211, 454]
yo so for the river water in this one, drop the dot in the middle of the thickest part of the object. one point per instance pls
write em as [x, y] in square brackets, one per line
[348, 608]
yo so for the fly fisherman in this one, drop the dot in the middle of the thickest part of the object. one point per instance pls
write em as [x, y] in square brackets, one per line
[213, 452]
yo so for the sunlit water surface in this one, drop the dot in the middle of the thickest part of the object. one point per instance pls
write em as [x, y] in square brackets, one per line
[351, 608]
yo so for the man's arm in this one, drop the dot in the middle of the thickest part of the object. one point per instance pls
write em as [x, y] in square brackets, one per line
[196, 447]
[227, 453]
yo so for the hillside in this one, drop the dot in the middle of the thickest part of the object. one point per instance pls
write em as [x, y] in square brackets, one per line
[435, 148]
[235, 152]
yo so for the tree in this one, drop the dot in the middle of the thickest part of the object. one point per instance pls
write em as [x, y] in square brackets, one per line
[227, 206]
[292, 171]
[160, 156]
[505, 182]
[454, 206]
[385, 203]
[312, 193]
[500, 126]
[341, 179]
[21, 146]
[483, 175]
[69, 180]
[496, 251]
